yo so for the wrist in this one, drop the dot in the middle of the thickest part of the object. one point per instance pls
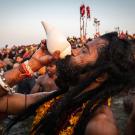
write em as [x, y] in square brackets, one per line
[34, 64]
[4, 85]
[28, 68]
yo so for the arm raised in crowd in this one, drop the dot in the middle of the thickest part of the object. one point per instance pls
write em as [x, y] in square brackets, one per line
[16, 102]
[15, 75]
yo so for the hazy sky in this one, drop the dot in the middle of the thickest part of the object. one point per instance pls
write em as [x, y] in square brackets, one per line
[20, 19]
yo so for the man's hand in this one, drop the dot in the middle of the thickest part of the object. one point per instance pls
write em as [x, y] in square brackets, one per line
[47, 59]
[35, 62]
[42, 57]
[56, 55]
[42, 51]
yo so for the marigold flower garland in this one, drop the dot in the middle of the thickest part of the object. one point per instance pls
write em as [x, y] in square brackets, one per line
[72, 121]
[41, 111]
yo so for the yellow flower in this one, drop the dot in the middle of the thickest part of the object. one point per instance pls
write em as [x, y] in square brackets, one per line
[42, 110]
[72, 121]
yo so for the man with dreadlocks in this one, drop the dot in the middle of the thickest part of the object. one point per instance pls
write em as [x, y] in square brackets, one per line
[103, 68]
[106, 57]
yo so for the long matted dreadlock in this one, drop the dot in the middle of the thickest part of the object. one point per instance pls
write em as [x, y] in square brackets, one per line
[116, 60]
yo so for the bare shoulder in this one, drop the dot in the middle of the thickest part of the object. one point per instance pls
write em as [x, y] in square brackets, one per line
[42, 78]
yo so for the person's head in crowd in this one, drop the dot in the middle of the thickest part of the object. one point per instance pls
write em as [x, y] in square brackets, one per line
[6, 46]
[51, 69]
[19, 59]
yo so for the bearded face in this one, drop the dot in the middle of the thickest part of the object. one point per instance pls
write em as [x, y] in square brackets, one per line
[66, 74]
[70, 69]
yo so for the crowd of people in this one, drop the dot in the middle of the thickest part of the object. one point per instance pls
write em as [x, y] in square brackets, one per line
[70, 95]
[16, 54]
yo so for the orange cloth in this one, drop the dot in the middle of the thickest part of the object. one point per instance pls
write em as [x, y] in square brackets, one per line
[42, 71]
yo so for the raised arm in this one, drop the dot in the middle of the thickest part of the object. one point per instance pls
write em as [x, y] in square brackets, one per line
[40, 58]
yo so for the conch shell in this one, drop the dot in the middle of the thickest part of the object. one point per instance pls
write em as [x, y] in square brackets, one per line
[56, 40]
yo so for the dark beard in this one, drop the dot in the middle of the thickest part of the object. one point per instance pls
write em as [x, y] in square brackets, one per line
[67, 75]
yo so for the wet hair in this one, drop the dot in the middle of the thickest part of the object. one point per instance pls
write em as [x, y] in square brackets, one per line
[117, 60]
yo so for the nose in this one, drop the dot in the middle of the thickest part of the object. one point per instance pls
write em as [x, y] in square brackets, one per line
[75, 52]
[72, 52]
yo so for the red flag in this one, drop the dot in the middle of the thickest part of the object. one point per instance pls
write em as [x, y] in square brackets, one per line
[88, 11]
[82, 10]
